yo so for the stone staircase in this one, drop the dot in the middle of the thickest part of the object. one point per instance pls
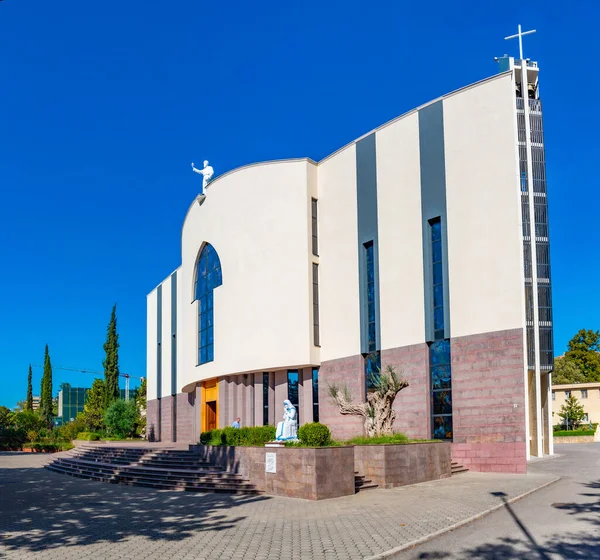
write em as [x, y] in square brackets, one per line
[457, 468]
[155, 468]
[361, 482]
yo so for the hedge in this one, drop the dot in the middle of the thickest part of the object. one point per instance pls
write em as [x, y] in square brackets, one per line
[258, 435]
[568, 433]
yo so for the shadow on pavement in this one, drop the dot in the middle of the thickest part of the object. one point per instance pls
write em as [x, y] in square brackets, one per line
[584, 545]
[40, 510]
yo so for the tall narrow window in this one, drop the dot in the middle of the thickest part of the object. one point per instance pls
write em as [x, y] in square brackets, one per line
[208, 277]
[315, 392]
[265, 399]
[315, 280]
[439, 351]
[292, 379]
[315, 224]
[373, 356]
[371, 324]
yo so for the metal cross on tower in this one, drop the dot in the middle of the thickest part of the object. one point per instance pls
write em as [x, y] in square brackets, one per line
[520, 36]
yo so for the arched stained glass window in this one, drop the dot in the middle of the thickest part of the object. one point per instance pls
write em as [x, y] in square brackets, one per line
[208, 277]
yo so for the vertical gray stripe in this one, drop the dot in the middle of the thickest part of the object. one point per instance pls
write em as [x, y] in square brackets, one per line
[174, 333]
[159, 357]
[433, 204]
[366, 196]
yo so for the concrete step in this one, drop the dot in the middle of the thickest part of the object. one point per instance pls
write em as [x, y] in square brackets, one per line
[160, 485]
[457, 468]
[182, 473]
[151, 468]
[361, 482]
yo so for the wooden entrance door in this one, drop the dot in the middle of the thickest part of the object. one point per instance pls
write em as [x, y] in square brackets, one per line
[211, 415]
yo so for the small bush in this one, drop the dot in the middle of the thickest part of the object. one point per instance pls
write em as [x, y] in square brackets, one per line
[88, 436]
[314, 435]
[258, 435]
[568, 433]
[70, 430]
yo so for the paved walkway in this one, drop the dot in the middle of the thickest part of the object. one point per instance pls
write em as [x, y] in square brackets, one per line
[48, 515]
[558, 522]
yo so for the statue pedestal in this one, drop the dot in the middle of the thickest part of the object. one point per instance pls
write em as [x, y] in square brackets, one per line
[275, 444]
[201, 198]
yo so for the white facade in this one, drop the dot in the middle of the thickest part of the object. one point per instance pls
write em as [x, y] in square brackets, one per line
[258, 220]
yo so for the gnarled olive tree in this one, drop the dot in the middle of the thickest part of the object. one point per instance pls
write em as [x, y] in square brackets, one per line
[377, 412]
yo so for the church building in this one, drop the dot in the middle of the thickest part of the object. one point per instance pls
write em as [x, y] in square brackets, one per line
[422, 244]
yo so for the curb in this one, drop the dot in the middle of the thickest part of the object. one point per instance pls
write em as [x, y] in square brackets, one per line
[393, 551]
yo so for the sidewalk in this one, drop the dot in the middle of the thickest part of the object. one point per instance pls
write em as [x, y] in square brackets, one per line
[55, 516]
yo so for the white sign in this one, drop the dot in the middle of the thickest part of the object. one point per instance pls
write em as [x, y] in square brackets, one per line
[271, 462]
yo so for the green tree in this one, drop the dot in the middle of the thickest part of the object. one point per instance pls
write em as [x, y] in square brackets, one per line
[6, 417]
[29, 399]
[584, 352]
[93, 410]
[111, 362]
[572, 412]
[121, 418]
[140, 401]
[565, 371]
[46, 389]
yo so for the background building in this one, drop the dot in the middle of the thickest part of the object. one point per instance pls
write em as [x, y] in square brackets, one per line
[71, 401]
[422, 245]
[588, 395]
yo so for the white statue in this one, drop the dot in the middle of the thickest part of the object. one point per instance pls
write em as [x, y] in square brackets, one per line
[207, 172]
[288, 429]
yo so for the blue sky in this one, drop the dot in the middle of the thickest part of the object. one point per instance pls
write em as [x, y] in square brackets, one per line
[104, 105]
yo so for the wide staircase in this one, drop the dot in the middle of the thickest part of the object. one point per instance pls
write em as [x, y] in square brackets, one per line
[166, 469]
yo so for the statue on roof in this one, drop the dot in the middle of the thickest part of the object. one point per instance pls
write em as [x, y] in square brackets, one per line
[207, 172]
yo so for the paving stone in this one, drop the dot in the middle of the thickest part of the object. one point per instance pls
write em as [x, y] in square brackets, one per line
[49, 515]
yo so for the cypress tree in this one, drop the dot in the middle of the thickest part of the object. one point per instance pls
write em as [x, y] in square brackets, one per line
[29, 399]
[111, 362]
[46, 393]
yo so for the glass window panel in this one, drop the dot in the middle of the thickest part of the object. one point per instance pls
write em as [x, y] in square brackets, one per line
[438, 318]
[372, 338]
[442, 427]
[209, 300]
[442, 402]
[371, 293]
[203, 321]
[210, 353]
[203, 304]
[438, 277]
[371, 313]
[210, 337]
[441, 377]
[203, 339]
[436, 231]
[440, 352]
[436, 251]
[438, 296]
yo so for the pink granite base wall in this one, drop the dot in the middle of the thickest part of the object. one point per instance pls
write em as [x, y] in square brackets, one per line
[152, 413]
[186, 417]
[412, 404]
[488, 402]
[166, 419]
[345, 371]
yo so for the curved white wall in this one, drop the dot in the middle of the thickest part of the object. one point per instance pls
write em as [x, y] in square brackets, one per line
[256, 219]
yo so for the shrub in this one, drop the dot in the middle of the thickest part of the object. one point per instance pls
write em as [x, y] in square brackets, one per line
[70, 430]
[121, 418]
[258, 435]
[314, 435]
[88, 436]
